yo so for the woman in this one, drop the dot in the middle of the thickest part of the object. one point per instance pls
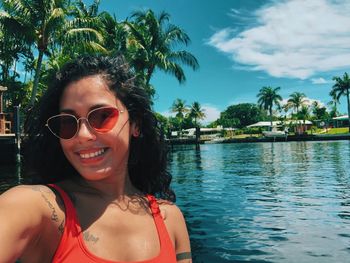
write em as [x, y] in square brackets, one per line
[94, 148]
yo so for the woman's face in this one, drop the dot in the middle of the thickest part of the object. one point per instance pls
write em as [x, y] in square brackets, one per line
[96, 156]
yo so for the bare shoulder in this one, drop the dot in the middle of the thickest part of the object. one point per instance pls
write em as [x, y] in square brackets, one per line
[176, 226]
[31, 195]
[24, 194]
[36, 201]
[23, 215]
[170, 211]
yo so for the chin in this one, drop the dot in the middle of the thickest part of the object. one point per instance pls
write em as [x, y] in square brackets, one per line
[98, 174]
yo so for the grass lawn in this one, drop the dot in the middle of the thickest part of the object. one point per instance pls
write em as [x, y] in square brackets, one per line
[338, 130]
[243, 136]
[343, 130]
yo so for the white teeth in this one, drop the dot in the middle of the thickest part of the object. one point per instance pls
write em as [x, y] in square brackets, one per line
[91, 155]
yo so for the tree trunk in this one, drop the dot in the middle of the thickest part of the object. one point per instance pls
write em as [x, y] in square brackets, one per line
[15, 68]
[36, 78]
[270, 111]
[149, 75]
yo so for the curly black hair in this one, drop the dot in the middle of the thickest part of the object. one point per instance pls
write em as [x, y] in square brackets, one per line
[45, 161]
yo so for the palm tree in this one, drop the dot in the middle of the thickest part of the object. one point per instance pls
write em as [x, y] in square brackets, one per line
[38, 22]
[12, 47]
[85, 32]
[342, 88]
[296, 100]
[315, 109]
[303, 114]
[196, 112]
[268, 97]
[333, 103]
[151, 44]
[179, 107]
[114, 34]
[44, 25]
[319, 111]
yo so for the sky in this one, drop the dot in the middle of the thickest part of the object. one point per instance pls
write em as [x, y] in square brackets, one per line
[244, 45]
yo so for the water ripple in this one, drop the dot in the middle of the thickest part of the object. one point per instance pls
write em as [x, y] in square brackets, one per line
[265, 202]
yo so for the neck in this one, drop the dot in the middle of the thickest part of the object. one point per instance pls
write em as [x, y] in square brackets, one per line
[116, 190]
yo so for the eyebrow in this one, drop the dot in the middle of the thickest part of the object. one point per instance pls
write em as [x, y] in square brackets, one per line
[69, 111]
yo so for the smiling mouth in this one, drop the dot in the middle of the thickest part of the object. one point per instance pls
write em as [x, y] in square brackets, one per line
[92, 154]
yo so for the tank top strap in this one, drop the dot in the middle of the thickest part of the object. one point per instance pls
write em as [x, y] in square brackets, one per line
[71, 221]
[167, 247]
[153, 205]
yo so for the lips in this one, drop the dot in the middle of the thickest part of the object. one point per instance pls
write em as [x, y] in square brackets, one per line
[91, 154]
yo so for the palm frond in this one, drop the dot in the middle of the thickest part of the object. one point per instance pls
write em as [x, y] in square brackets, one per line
[174, 35]
[84, 34]
[185, 58]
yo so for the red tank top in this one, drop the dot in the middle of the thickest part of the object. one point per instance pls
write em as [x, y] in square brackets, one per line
[72, 249]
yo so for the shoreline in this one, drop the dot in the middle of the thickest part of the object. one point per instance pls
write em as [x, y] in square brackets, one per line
[290, 138]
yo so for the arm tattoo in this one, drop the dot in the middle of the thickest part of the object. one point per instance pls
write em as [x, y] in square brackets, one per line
[184, 255]
[89, 237]
[54, 216]
[61, 227]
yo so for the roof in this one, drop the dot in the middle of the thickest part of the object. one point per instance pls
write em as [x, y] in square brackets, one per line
[264, 124]
[277, 123]
[219, 128]
[341, 118]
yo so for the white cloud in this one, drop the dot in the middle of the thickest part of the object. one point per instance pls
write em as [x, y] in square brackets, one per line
[309, 102]
[319, 81]
[293, 38]
[211, 113]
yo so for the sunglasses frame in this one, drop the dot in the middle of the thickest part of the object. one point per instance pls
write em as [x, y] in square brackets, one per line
[81, 118]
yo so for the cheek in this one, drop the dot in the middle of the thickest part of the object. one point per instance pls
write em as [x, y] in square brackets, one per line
[65, 147]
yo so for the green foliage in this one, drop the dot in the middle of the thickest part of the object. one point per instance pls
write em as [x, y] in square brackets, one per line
[320, 113]
[196, 113]
[41, 35]
[17, 94]
[240, 115]
[342, 88]
[253, 130]
[267, 98]
[151, 43]
[174, 123]
[296, 100]
[179, 107]
[188, 122]
[163, 123]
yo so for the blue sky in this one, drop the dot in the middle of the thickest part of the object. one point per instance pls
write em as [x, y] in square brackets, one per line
[243, 45]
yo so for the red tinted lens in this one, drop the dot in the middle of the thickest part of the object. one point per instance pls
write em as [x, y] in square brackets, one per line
[104, 119]
[63, 126]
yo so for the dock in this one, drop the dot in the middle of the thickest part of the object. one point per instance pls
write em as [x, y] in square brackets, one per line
[10, 139]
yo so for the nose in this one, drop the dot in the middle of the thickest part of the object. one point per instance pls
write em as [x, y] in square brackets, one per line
[85, 132]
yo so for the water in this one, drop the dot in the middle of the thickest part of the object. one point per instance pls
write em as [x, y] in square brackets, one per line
[10, 175]
[261, 202]
[266, 202]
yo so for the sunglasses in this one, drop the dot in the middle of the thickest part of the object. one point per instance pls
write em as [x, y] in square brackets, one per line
[65, 126]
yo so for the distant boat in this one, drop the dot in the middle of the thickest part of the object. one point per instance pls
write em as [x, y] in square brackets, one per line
[275, 133]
